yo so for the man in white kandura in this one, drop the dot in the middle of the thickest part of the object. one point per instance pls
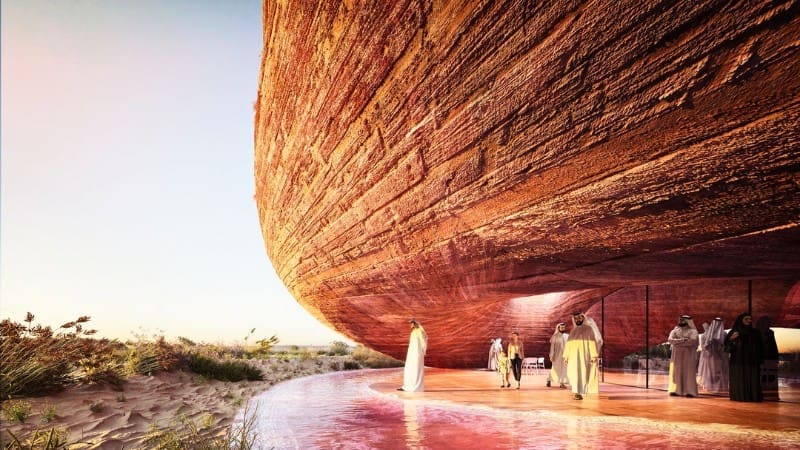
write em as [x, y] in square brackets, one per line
[714, 361]
[558, 373]
[494, 354]
[414, 372]
[700, 339]
[580, 354]
[683, 362]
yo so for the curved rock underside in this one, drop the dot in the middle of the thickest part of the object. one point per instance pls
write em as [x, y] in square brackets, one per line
[489, 166]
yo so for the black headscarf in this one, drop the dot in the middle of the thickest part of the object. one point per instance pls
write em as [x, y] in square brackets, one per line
[738, 324]
[748, 348]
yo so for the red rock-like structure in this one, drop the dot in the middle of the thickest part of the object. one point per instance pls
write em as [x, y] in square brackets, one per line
[489, 166]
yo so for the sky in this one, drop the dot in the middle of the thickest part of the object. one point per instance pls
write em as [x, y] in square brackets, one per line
[126, 171]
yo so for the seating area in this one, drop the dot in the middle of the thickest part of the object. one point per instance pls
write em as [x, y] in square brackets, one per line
[531, 366]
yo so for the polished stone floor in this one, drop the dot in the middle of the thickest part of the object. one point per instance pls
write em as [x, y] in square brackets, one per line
[463, 409]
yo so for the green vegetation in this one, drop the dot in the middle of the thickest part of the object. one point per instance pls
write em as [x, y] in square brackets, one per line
[184, 434]
[350, 365]
[96, 407]
[17, 411]
[53, 439]
[181, 434]
[229, 370]
[37, 360]
[48, 413]
[369, 358]
[339, 348]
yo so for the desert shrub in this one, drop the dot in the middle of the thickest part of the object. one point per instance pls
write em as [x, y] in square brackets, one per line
[350, 365]
[48, 413]
[142, 363]
[186, 341]
[53, 439]
[35, 360]
[264, 347]
[96, 407]
[27, 367]
[223, 370]
[369, 358]
[147, 357]
[16, 410]
[103, 364]
[184, 434]
[339, 348]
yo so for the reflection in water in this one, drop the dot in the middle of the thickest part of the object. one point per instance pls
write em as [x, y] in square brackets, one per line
[413, 431]
[341, 411]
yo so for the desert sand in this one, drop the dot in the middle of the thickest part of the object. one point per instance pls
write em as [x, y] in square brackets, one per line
[127, 418]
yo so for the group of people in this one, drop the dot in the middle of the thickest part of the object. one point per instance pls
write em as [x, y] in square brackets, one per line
[574, 355]
[507, 362]
[729, 361]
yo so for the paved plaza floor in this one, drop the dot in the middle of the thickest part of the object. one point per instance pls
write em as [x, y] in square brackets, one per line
[464, 409]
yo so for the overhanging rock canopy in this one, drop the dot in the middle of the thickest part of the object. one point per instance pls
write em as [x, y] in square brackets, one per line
[488, 166]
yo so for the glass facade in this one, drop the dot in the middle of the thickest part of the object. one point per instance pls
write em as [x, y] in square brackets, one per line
[637, 353]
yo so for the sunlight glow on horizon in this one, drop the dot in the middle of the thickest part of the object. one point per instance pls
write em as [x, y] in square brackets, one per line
[127, 172]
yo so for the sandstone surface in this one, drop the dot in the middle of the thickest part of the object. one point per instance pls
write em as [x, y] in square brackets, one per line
[488, 166]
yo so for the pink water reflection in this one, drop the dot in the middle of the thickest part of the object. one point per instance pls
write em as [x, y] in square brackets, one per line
[341, 411]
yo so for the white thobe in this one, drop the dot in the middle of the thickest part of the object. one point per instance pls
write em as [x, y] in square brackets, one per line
[683, 362]
[494, 354]
[558, 373]
[714, 366]
[581, 353]
[413, 374]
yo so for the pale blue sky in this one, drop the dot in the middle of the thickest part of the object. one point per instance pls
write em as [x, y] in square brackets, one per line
[127, 171]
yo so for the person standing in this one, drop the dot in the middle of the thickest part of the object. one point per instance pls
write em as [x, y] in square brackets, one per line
[414, 371]
[769, 366]
[745, 345]
[713, 360]
[683, 361]
[503, 366]
[558, 372]
[516, 353]
[580, 355]
[494, 351]
[701, 363]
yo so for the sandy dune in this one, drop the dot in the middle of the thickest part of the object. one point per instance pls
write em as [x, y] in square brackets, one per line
[127, 418]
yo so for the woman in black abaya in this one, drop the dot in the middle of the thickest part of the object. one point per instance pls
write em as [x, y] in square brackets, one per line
[747, 353]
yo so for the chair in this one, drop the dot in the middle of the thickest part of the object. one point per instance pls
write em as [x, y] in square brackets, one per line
[529, 366]
[539, 364]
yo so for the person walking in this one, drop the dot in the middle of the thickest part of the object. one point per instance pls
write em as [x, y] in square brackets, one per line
[516, 353]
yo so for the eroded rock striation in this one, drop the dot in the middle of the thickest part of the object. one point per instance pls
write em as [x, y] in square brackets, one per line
[484, 166]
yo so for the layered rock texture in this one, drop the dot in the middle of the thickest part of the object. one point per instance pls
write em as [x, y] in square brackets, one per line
[488, 166]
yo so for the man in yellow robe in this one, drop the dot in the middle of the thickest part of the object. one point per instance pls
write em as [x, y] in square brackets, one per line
[581, 353]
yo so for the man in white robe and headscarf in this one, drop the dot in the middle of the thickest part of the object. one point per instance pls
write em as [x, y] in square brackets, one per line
[713, 359]
[414, 372]
[494, 353]
[701, 365]
[683, 362]
[581, 353]
[558, 372]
